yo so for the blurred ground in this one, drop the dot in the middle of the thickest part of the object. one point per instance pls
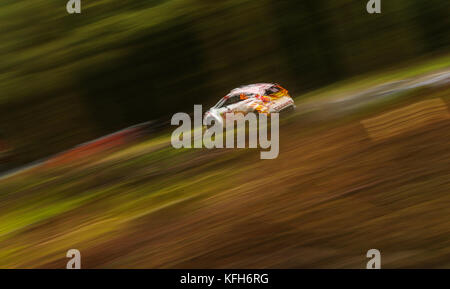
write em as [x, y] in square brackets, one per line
[332, 194]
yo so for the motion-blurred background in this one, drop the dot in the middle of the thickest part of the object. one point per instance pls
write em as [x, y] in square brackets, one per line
[67, 79]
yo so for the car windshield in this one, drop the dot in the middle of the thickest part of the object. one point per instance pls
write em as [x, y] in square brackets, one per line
[220, 103]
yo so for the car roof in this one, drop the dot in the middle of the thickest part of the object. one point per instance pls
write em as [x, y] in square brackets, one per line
[258, 88]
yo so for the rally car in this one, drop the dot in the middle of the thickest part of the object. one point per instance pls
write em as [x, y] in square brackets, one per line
[260, 98]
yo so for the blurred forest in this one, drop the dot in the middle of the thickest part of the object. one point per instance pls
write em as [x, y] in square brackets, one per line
[65, 79]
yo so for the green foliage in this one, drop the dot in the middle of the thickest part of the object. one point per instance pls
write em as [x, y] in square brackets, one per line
[65, 78]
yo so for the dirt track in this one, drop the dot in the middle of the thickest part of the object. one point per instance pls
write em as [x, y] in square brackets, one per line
[327, 200]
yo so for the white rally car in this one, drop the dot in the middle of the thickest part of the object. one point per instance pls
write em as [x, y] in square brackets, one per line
[261, 98]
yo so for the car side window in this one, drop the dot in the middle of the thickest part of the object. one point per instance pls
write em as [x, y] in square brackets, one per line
[272, 90]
